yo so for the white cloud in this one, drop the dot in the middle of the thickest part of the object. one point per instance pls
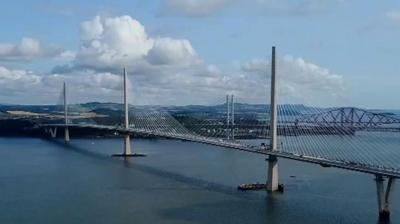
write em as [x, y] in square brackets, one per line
[17, 78]
[91, 29]
[393, 16]
[27, 49]
[300, 81]
[196, 8]
[113, 43]
[169, 51]
[66, 56]
[162, 70]
[16, 86]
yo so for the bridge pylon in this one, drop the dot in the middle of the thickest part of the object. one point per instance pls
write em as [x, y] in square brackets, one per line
[273, 177]
[272, 183]
[66, 130]
[230, 118]
[127, 139]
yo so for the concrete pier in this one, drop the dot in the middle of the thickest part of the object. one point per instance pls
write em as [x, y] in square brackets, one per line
[66, 134]
[127, 145]
[66, 130]
[273, 181]
[384, 196]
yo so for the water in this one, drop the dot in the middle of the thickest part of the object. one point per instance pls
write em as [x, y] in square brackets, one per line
[178, 182]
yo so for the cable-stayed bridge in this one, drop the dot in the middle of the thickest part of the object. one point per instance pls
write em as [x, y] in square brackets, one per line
[347, 138]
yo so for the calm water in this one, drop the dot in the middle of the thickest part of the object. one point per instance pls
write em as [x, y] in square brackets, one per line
[178, 182]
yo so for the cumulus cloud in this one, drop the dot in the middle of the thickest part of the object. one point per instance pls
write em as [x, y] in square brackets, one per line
[66, 56]
[26, 50]
[13, 79]
[162, 70]
[18, 85]
[170, 51]
[300, 81]
[111, 43]
[196, 8]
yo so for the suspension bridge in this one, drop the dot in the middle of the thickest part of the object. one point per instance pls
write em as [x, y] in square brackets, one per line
[328, 137]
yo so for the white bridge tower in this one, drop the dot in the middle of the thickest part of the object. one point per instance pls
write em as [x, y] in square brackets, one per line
[272, 181]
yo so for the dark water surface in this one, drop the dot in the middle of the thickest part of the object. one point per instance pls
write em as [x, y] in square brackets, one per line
[44, 181]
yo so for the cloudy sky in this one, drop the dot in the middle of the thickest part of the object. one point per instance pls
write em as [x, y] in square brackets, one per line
[330, 52]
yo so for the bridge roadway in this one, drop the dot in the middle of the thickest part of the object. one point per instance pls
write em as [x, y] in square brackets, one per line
[237, 146]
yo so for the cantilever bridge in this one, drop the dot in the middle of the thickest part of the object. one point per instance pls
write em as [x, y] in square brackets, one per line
[302, 137]
[350, 117]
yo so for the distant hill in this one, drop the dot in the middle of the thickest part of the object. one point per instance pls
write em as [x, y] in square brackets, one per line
[199, 111]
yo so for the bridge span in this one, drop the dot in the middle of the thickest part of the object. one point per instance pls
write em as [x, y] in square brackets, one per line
[334, 120]
[263, 150]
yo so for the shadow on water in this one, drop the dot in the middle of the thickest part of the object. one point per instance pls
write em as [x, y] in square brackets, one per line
[242, 207]
[128, 163]
[384, 221]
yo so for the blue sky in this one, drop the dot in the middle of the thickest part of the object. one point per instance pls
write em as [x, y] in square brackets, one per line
[356, 40]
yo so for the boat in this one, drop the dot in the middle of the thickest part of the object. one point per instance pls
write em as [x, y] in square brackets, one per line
[257, 187]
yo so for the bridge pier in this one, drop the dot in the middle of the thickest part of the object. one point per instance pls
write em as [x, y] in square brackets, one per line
[384, 195]
[128, 149]
[66, 134]
[66, 130]
[272, 182]
[127, 145]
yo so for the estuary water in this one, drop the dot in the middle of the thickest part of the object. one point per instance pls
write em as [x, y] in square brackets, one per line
[43, 181]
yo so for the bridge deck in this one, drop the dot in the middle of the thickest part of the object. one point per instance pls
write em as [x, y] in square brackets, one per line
[247, 148]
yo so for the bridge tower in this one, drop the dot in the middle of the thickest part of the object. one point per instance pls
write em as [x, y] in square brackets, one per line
[66, 130]
[127, 143]
[272, 181]
[232, 118]
[228, 119]
[127, 139]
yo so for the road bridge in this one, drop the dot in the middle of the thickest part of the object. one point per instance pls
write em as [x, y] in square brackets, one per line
[341, 121]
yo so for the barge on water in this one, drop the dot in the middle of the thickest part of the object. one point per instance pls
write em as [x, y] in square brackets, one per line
[257, 187]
